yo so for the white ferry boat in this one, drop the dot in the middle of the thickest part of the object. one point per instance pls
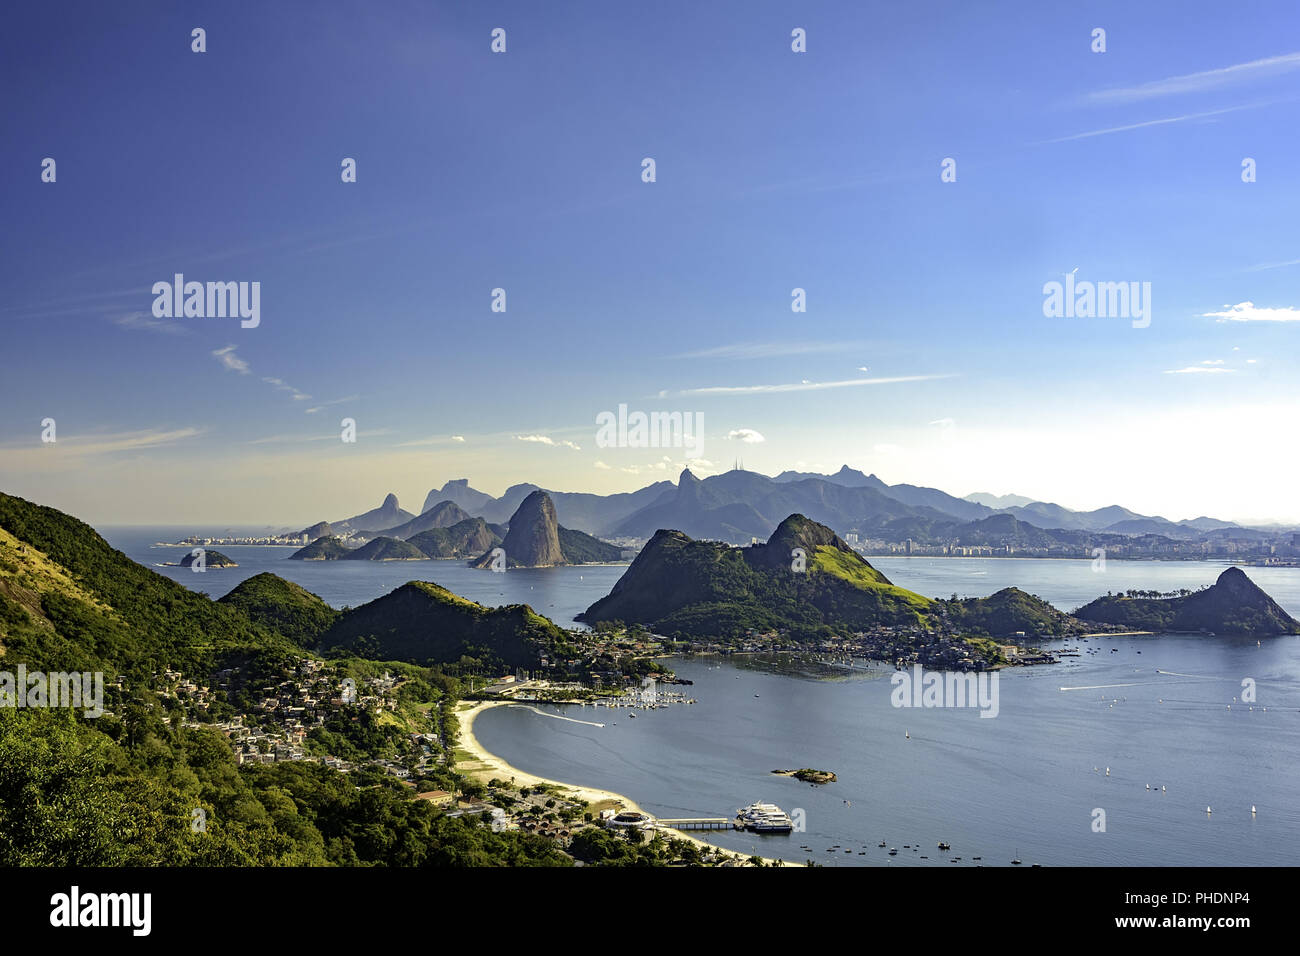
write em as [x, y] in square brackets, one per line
[764, 818]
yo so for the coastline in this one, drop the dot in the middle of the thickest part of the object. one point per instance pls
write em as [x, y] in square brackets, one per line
[484, 765]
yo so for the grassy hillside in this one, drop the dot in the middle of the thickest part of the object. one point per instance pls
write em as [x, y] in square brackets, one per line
[69, 601]
[701, 588]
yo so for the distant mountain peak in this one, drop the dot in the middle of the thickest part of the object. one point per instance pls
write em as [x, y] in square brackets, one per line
[533, 540]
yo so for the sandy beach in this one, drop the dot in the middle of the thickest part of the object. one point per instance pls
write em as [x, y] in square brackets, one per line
[482, 766]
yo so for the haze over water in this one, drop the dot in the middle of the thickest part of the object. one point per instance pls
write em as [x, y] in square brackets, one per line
[1021, 782]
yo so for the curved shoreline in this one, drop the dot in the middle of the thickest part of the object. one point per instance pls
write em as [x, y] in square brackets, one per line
[489, 765]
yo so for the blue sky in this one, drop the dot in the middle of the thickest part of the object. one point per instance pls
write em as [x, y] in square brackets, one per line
[522, 170]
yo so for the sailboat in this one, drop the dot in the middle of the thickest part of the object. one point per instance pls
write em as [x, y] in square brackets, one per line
[1016, 861]
[906, 735]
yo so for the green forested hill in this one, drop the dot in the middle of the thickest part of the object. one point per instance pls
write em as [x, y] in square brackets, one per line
[328, 548]
[126, 788]
[704, 588]
[468, 538]
[1232, 605]
[69, 601]
[282, 606]
[425, 623]
[582, 548]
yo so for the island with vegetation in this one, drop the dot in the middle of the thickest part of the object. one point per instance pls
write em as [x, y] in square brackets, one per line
[1233, 605]
[211, 559]
[808, 775]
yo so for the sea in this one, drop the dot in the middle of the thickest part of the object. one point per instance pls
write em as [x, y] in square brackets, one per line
[1140, 751]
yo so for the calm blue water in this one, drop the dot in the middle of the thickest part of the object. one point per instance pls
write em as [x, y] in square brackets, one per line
[558, 593]
[1022, 782]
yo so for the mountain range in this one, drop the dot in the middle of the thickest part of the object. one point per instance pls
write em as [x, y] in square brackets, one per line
[809, 583]
[739, 506]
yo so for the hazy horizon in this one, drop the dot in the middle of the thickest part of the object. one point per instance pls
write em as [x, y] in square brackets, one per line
[926, 353]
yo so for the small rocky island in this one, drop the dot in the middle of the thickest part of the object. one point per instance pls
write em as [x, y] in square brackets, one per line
[808, 776]
[211, 559]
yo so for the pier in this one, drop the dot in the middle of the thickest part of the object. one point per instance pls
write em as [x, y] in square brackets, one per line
[697, 823]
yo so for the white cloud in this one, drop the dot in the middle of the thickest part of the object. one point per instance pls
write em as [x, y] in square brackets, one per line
[944, 422]
[1195, 82]
[747, 435]
[547, 440]
[230, 361]
[1249, 312]
[1194, 369]
[1213, 362]
[431, 440]
[601, 465]
[806, 386]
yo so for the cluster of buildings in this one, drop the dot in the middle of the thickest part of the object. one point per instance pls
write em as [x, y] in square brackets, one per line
[277, 727]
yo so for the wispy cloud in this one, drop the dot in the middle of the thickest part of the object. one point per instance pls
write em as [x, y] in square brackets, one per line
[547, 440]
[144, 322]
[747, 435]
[1198, 369]
[754, 350]
[286, 387]
[337, 401]
[1155, 122]
[108, 443]
[330, 436]
[1264, 266]
[807, 386]
[943, 422]
[1249, 312]
[1198, 82]
[230, 361]
[431, 440]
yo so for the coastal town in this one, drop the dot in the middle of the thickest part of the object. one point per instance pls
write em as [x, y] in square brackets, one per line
[291, 720]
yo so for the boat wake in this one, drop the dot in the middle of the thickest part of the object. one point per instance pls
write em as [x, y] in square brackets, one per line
[572, 720]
